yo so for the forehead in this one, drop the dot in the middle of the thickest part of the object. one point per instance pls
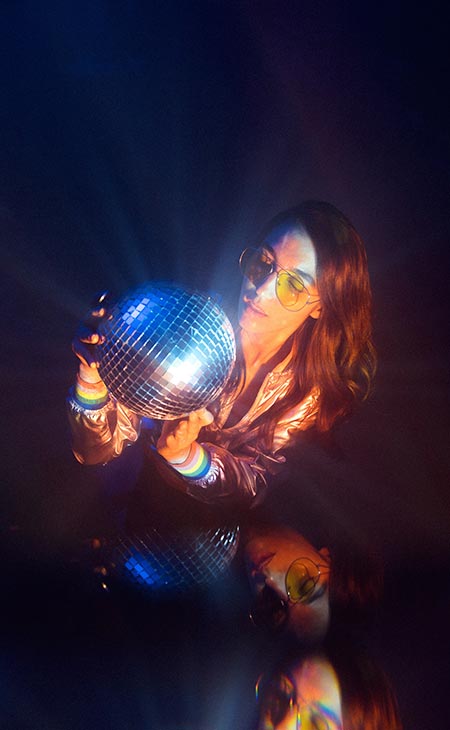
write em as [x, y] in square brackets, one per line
[293, 247]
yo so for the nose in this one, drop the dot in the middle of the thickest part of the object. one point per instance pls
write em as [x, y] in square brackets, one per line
[263, 580]
[266, 285]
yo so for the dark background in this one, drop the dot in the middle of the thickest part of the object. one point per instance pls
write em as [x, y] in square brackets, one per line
[152, 140]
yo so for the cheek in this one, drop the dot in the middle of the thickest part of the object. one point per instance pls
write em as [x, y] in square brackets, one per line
[309, 623]
[276, 578]
[285, 320]
[282, 317]
[246, 288]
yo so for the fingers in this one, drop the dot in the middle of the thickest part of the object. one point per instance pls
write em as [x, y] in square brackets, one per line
[188, 428]
[87, 336]
[86, 353]
[84, 345]
[184, 433]
[201, 417]
[101, 303]
[177, 436]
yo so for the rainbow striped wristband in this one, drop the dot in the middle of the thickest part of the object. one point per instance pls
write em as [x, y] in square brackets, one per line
[197, 464]
[91, 396]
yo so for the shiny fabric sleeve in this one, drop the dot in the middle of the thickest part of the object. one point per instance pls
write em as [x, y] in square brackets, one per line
[242, 474]
[98, 436]
[231, 479]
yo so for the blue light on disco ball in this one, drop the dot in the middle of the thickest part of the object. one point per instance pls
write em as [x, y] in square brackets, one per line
[167, 351]
[158, 562]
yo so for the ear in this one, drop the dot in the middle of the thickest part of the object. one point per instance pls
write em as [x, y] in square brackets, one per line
[316, 310]
[325, 553]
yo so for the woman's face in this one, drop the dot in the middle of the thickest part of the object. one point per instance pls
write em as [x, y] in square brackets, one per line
[269, 553]
[309, 696]
[260, 311]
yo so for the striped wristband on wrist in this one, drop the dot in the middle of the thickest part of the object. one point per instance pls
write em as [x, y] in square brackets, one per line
[91, 395]
[197, 463]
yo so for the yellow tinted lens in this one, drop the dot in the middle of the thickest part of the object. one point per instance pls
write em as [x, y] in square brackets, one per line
[300, 582]
[289, 288]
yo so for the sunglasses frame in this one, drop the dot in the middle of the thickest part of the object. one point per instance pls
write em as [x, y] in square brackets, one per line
[274, 267]
[281, 604]
[293, 700]
[315, 579]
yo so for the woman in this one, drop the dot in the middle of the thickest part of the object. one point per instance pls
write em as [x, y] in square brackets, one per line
[305, 356]
[289, 581]
[340, 689]
[298, 590]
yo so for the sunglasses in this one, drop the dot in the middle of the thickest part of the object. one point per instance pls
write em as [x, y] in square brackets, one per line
[278, 699]
[301, 579]
[256, 265]
[270, 610]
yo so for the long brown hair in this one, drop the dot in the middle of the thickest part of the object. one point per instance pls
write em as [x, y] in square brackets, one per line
[333, 353]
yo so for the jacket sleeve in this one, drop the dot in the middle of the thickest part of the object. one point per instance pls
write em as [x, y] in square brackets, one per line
[232, 478]
[100, 435]
[241, 474]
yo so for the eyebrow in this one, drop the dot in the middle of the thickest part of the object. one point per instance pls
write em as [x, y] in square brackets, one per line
[303, 274]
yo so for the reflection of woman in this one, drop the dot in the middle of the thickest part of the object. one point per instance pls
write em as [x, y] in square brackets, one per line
[342, 689]
[290, 583]
[303, 693]
[305, 357]
[296, 589]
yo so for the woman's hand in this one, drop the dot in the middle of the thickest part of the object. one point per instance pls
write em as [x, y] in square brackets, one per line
[85, 342]
[176, 438]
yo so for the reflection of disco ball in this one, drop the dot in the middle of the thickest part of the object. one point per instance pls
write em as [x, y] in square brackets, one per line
[157, 563]
[167, 351]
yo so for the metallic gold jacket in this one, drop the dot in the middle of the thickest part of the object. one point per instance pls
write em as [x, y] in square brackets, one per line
[238, 473]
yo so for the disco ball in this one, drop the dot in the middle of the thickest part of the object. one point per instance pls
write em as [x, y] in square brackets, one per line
[157, 562]
[167, 351]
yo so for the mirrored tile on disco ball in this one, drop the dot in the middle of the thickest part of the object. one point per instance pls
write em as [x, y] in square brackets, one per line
[167, 351]
[157, 563]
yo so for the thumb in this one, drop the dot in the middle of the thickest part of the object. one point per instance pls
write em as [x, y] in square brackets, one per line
[203, 416]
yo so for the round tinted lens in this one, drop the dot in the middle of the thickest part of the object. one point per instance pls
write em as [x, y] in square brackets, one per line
[277, 698]
[301, 580]
[289, 289]
[255, 266]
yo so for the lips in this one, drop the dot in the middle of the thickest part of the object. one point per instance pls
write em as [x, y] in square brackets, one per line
[254, 308]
